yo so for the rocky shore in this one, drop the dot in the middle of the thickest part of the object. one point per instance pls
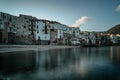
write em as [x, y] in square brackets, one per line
[13, 48]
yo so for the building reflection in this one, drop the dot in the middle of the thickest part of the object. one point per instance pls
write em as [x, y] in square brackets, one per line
[52, 59]
[111, 54]
[118, 54]
[18, 62]
[80, 61]
[115, 54]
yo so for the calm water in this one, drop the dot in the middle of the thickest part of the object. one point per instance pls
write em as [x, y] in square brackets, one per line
[102, 63]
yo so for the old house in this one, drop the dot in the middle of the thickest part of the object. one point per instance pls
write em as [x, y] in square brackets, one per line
[7, 29]
[42, 32]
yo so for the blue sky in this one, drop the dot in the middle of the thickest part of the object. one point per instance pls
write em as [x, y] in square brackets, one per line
[101, 14]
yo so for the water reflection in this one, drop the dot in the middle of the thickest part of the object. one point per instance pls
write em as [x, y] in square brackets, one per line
[95, 63]
[11, 63]
[115, 54]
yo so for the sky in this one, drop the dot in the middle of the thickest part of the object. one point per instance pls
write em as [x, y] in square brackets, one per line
[89, 15]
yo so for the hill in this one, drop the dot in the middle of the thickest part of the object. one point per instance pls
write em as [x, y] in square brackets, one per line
[114, 30]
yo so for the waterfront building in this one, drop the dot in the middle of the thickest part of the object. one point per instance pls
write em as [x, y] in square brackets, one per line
[75, 36]
[56, 33]
[14, 29]
[90, 38]
[7, 28]
[42, 32]
[25, 29]
[49, 32]
[113, 39]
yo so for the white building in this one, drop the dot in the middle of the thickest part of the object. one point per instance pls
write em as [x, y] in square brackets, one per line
[49, 32]
[25, 29]
[42, 32]
[59, 28]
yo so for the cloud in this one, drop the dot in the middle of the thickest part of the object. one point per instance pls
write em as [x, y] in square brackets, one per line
[80, 21]
[118, 8]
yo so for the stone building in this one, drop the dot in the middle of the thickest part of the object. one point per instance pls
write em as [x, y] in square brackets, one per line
[25, 29]
[75, 39]
[7, 28]
[48, 32]
[16, 29]
[42, 32]
[57, 33]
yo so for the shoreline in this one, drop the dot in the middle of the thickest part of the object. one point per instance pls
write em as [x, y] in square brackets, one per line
[14, 48]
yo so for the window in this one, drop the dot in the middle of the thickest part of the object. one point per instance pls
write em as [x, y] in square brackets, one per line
[24, 26]
[39, 38]
[37, 31]
[43, 30]
[37, 26]
[49, 26]
[10, 19]
[46, 31]
[10, 29]
[60, 36]
[14, 30]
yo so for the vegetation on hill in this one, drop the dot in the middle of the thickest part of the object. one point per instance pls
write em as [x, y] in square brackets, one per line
[114, 30]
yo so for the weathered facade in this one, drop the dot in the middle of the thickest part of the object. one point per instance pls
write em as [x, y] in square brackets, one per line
[42, 32]
[16, 30]
[24, 29]
[6, 27]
